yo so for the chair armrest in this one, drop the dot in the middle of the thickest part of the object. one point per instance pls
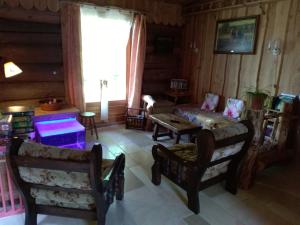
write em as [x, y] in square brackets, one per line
[139, 110]
[116, 168]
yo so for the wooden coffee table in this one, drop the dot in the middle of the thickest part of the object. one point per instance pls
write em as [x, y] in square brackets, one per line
[175, 124]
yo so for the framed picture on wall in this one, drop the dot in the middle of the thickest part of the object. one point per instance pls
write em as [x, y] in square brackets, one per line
[236, 36]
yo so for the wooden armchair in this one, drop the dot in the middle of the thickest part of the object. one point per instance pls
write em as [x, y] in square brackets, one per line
[65, 182]
[214, 157]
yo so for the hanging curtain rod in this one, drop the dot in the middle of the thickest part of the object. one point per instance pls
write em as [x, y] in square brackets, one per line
[106, 6]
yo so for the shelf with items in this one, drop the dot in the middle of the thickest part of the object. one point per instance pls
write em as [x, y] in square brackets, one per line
[22, 120]
[273, 142]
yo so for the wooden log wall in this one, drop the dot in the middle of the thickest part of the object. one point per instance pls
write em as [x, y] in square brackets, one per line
[116, 112]
[36, 48]
[161, 67]
[232, 75]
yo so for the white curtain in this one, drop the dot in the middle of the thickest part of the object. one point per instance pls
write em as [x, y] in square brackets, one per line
[105, 34]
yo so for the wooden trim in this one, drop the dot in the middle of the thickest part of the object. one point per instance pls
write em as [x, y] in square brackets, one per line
[283, 48]
[225, 75]
[51, 164]
[245, 4]
[239, 77]
[58, 211]
[57, 188]
[262, 45]
[32, 15]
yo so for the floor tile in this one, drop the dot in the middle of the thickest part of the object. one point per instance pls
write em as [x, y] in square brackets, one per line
[195, 220]
[273, 200]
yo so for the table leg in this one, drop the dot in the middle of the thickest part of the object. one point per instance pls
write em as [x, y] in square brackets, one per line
[177, 138]
[191, 137]
[171, 134]
[155, 132]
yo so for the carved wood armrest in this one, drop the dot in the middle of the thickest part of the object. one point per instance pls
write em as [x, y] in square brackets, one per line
[116, 169]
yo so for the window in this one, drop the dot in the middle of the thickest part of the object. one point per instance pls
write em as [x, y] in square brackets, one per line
[105, 36]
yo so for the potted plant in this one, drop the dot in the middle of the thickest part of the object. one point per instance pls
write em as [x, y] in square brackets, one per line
[257, 98]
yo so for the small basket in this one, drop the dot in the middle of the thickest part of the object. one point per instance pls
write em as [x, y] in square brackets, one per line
[51, 107]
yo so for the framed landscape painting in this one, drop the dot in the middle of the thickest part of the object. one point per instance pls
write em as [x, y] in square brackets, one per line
[236, 36]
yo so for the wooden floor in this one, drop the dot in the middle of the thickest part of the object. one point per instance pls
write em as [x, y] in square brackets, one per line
[273, 200]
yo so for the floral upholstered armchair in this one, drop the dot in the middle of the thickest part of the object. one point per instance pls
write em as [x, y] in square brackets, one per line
[214, 157]
[65, 182]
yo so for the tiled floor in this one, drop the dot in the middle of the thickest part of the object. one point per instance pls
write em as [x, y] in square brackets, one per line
[273, 200]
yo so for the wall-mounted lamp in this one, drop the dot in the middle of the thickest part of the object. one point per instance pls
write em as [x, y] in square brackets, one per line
[274, 47]
[10, 68]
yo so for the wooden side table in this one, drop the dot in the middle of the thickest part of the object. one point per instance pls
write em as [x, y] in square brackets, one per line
[178, 95]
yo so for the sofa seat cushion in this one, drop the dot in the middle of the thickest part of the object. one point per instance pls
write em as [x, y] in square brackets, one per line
[188, 152]
[63, 199]
[189, 112]
[208, 120]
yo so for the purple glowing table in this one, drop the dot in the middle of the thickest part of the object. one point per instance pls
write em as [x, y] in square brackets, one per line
[67, 133]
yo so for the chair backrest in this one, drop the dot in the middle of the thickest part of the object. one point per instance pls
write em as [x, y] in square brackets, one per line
[234, 108]
[210, 103]
[52, 166]
[44, 174]
[228, 143]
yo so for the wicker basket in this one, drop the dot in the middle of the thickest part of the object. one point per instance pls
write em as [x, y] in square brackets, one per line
[51, 107]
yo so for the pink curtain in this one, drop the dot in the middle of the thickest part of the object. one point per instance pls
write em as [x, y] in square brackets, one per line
[71, 41]
[137, 60]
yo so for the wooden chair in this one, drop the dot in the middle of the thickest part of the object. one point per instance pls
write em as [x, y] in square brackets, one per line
[65, 182]
[215, 157]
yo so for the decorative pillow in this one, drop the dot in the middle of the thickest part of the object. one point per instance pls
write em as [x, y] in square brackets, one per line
[234, 108]
[210, 103]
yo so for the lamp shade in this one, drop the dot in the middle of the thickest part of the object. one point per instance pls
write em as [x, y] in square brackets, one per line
[11, 69]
